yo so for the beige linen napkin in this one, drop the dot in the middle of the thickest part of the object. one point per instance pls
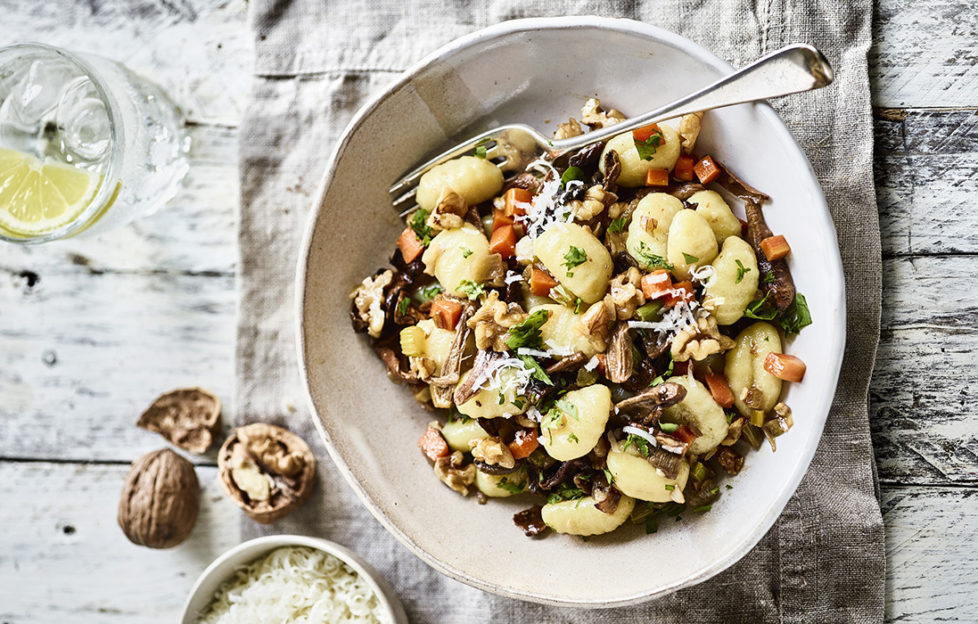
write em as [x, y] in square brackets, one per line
[317, 61]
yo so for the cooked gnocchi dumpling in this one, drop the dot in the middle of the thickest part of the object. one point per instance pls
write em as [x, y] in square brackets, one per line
[636, 477]
[576, 258]
[633, 168]
[648, 232]
[733, 284]
[460, 257]
[754, 388]
[581, 517]
[715, 210]
[691, 243]
[701, 413]
[475, 179]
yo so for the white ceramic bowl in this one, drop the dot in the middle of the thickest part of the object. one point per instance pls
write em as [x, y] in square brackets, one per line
[530, 71]
[241, 555]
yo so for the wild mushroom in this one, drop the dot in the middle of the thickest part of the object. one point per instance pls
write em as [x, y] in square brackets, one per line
[188, 417]
[618, 359]
[663, 395]
[467, 389]
[443, 386]
[530, 521]
[775, 275]
[268, 471]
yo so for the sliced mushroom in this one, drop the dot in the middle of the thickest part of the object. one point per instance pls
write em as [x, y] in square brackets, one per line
[443, 387]
[530, 521]
[781, 289]
[393, 363]
[570, 362]
[619, 362]
[663, 395]
[612, 167]
[467, 389]
[731, 461]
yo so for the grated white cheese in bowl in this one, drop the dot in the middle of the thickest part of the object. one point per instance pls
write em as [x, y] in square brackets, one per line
[291, 579]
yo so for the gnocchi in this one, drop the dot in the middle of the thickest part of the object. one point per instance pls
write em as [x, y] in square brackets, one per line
[712, 207]
[564, 331]
[691, 243]
[700, 413]
[733, 284]
[576, 258]
[582, 517]
[572, 428]
[744, 368]
[459, 432]
[633, 168]
[491, 402]
[634, 476]
[437, 343]
[460, 256]
[475, 179]
[648, 232]
[501, 486]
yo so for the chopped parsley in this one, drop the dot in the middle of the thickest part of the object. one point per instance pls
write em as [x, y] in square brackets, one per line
[420, 226]
[456, 416]
[757, 309]
[527, 334]
[402, 305]
[610, 478]
[670, 487]
[741, 271]
[702, 508]
[689, 258]
[573, 438]
[575, 256]
[572, 173]
[470, 289]
[537, 371]
[768, 278]
[568, 408]
[796, 316]
[466, 252]
[617, 225]
[651, 259]
[577, 306]
[646, 149]
[668, 427]
[667, 373]
[519, 402]
[565, 492]
[432, 291]
[480, 149]
[509, 486]
[552, 420]
[640, 443]
[502, 398]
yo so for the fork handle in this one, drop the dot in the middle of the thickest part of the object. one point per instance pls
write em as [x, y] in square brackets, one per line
[789, 70]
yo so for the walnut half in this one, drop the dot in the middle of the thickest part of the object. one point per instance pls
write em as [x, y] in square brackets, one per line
[268, 471]
[699, 341]
[452, 472]
[188, 417]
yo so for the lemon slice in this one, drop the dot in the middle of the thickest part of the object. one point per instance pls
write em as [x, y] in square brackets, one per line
[38, 197]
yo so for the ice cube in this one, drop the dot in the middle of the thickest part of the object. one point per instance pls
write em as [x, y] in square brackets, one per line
[83, 122]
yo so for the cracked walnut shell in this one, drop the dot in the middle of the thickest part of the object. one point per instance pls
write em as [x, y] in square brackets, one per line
[267, 470]
[189, 418]
[160, 500]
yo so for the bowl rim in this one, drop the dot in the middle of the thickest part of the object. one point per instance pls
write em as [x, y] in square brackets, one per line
[252, 549]
[833, 263]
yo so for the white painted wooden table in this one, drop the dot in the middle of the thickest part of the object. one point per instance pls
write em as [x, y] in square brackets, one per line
[92, 330]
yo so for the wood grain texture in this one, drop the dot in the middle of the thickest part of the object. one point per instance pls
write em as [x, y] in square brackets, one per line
[65, 559]
[927, 180]
[924, 54]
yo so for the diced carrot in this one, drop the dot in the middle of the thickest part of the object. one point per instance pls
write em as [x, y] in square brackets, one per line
[775, 247]
[409, 245]
[503, 241]
[784, 366]
[517, 201]
[643, 133]
[706, 169]
[433, 445]
[680, 368]
[657, 177]
[656, 284]
[541, 282]
[681, 291]
[720, 389]
[445, 313]
[499, 219]
[524, 443]
[683, 170]
[684, 434]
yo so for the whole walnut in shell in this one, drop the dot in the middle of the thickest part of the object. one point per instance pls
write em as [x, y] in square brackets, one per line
[160, 500]
[268, 471]
[188, 417]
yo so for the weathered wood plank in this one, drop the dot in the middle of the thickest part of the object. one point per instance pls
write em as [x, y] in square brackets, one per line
[923, 54]
[930, 562]
[199, 51]
[926, 180]
[82, 354]
[63, 557]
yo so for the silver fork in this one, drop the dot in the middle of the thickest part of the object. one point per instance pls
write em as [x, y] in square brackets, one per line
[792, 69]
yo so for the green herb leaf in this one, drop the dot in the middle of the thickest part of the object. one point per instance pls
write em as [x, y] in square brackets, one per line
[670, 486]
[652, 260]
[502, 398]
[466, 252]
[573, 438]
[610, 478]
[575, 256]
[568, 408]
[519, 402]
[480, 149]
[419, 225]
[668, 427]
[430, 292]
[646, 149]
[702, 508]
[571, 173]
[768, 278]
[665, 375]
[538, 372]
[640, 443]
[470, 289]
[402, 305]
[690, 259]
[577, 306]
[509, 486]
[797, 316]
[527, 333]
[565, 492]
[617, 225]
[757, 309]
[741, 271]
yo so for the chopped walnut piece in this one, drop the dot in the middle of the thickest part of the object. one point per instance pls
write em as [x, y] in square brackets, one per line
[752, 397]
[368, 297]
[689, 130]
[594, 116]
[699, 341]
[626, 293]
[733, 432]
[596, 322]
[492, 322]
[493, 452]
[449, 212]
[568, 130]
[452, 472]
[595, 201]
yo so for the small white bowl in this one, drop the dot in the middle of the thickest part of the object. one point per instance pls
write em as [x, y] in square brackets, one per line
[241, 555]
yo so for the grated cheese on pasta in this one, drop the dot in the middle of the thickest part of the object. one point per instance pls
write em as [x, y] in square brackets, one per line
[295, 585]
[546, 209]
